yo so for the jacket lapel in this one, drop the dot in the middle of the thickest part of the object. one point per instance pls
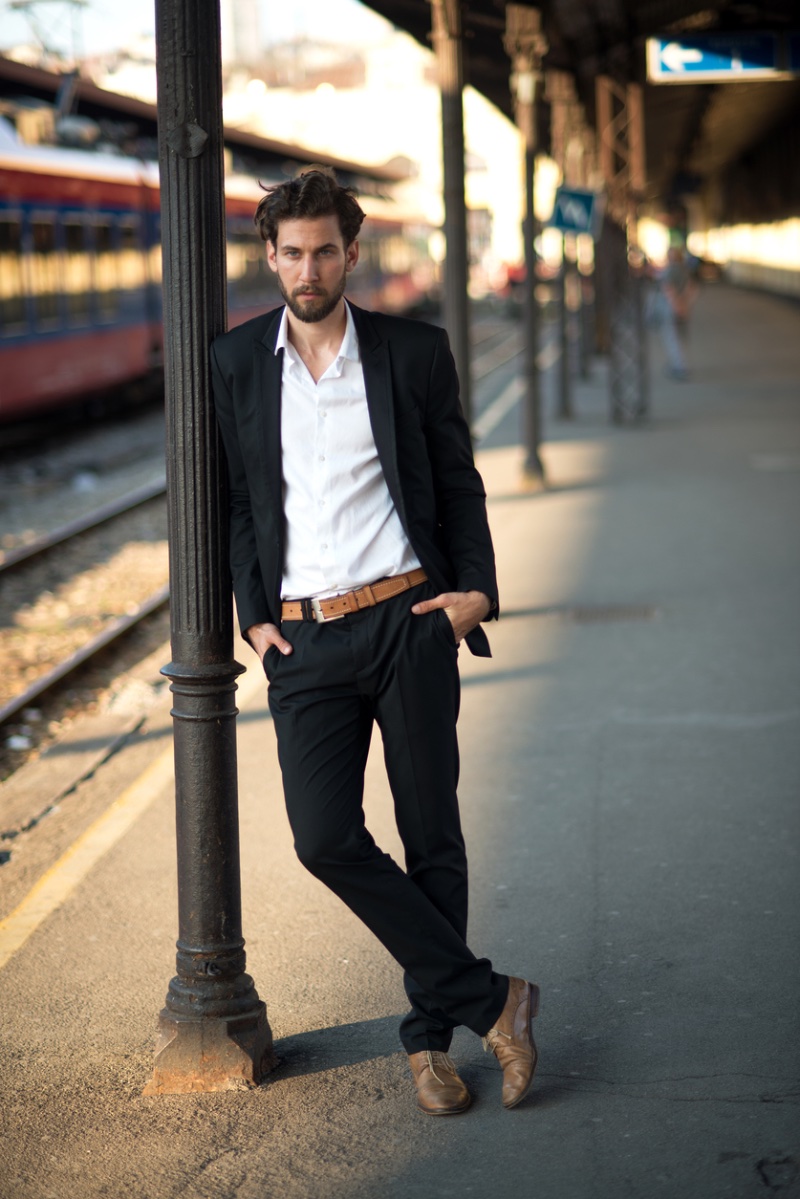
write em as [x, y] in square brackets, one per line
[376, 365]
[267, 376]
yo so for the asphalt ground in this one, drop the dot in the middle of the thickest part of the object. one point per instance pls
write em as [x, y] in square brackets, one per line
[631, 772]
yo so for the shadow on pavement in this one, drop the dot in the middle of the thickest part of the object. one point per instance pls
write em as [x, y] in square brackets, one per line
[322, 1049]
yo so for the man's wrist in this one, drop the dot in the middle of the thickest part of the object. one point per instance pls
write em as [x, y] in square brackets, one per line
[491, 605]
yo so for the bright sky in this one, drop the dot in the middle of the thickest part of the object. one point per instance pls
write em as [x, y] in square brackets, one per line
[107, 24]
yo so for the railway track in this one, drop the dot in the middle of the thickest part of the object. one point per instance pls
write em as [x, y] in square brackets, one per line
[45, 563]
[118, 628]
[35, 557]
[118, 507]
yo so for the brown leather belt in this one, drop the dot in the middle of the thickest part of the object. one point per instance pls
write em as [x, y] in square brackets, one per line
[351, 601]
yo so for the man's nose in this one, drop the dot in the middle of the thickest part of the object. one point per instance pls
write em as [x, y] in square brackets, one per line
[309, 270]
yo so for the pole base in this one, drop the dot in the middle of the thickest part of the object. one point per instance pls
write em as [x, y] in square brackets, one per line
[532, 479]
[211, 1054]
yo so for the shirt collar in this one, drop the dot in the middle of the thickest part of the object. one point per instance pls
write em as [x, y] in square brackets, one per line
[348, 351]
[349, 348]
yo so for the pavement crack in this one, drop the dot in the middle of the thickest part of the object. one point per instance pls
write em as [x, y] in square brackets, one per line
[777, 1173]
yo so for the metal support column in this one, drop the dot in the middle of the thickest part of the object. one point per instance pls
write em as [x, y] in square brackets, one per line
[626, 385]
[564, 405]
[590, 177]
[560, 92]
[213, 1031]
[586, 335]
[525, 45]
[620, 122]
[448, 43]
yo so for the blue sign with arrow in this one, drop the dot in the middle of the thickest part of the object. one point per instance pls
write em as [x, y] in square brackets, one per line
[575, 211]
[721, 57]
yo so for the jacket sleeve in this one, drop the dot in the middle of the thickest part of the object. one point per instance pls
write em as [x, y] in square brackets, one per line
[460, 494]
[248, 584]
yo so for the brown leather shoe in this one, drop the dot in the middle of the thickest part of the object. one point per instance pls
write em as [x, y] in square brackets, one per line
[511, 1040]
[440, 1092]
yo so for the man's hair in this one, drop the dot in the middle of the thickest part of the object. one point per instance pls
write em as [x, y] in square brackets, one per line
[314, 193]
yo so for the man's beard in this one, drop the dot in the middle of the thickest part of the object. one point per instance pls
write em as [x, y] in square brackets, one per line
[319, 307]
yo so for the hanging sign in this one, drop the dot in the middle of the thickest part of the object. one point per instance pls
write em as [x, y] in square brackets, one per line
[717, 57]
[575, 211]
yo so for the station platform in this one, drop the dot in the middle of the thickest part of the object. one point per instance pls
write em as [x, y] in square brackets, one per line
[630, 783]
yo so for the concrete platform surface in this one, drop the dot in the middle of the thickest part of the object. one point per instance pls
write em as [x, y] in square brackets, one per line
[631, 772]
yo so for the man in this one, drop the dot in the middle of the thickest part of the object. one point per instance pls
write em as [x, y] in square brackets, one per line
[677, 290]
[361, 558]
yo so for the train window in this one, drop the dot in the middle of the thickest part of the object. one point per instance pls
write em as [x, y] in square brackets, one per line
[154, 264]
[12, 299]
[44, 262]
[246, 258]
[255, 267]
[106, 279]
[235, 263]
[131, 256]
[77, 270]
[154, 259]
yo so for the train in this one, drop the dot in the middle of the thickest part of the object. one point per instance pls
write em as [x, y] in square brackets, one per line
[80, 272]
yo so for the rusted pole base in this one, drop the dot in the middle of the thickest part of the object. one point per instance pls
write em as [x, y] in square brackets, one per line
[211, 1054]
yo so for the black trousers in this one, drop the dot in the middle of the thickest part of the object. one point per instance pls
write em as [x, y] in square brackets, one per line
[387, 666]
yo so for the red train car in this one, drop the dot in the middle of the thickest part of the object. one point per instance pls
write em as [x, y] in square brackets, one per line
[79, 275]
[80, 272]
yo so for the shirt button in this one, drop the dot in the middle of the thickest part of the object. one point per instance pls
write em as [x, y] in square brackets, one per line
[322, 457]
[324, 545]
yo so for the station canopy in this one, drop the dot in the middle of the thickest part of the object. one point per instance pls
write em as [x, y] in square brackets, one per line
[131, 125]
[741, 134]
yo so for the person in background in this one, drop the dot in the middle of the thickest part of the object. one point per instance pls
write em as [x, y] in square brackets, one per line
[677, 290]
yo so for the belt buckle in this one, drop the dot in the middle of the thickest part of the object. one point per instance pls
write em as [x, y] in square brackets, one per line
[319, 615]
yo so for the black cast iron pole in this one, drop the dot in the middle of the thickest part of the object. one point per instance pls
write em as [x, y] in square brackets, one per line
[525, 45]
[213, 1031]
[532, 405]
[448, 43]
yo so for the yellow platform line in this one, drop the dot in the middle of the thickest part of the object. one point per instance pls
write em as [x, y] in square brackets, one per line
[58, 883]
[61, 879]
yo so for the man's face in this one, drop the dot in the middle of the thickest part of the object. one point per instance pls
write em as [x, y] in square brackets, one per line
[312, 264]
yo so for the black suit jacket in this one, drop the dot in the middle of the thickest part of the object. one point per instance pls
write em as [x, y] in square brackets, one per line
[422, 440]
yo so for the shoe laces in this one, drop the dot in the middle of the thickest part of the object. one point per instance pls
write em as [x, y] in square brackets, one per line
[491, 1039]
[436, 1057]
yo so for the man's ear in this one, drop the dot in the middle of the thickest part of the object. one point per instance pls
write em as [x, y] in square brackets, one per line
[351, 256]
[271, 257]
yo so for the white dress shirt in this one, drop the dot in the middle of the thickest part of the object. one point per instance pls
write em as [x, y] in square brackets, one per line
[342, 528]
